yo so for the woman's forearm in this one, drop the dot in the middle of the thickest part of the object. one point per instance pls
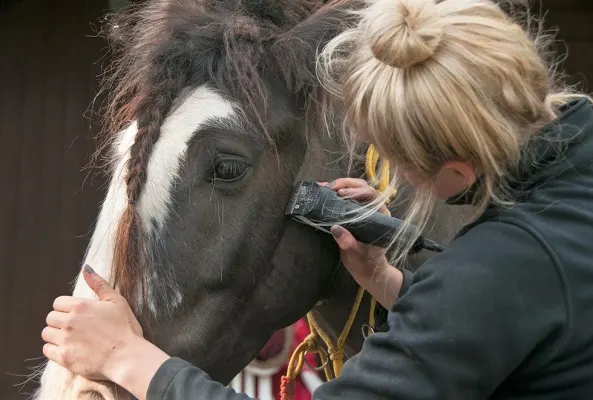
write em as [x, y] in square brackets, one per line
[384, 285]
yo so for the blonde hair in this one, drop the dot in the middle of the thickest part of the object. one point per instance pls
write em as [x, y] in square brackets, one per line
[428, 83]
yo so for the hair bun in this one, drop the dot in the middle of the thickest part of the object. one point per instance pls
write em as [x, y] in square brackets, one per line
[402, 33]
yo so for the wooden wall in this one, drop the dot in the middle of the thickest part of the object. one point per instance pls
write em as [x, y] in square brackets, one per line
[573, 20]
[48, 78]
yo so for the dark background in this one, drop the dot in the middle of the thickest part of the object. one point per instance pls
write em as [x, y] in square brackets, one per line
[50, 60]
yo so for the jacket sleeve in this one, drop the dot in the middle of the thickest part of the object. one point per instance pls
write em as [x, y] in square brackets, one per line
[177, 379]
[469, 319]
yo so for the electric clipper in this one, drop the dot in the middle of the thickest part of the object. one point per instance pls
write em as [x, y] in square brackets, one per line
[321, 207]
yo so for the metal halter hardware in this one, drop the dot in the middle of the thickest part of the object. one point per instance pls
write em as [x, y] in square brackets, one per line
[322, 366]
[366, 330]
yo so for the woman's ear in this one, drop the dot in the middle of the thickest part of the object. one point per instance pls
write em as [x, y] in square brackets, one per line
[464, 170]
[453, 178]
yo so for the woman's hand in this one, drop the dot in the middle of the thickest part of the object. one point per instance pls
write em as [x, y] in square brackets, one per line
[101, 339]
[360, 259]
[366, 263]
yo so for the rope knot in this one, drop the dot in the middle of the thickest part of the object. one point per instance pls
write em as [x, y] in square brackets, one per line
[335, 354]
[295, 365]
[311, 344]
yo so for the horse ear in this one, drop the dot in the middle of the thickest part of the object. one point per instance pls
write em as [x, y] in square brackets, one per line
[295, 51]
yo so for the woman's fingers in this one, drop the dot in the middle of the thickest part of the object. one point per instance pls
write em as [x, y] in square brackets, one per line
[356, 189]
[56, 319]
[52, 352]
[343, 183]
[384, 210]
[64, 303]
[51, 335]
[344, 239]
[366, 193]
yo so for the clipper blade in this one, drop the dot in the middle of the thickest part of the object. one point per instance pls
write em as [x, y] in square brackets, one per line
[302, 202]
[303, 198]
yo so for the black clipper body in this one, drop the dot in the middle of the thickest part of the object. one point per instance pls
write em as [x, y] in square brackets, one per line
[321, 207]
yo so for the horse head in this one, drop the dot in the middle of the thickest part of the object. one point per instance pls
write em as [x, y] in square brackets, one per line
[214, 103]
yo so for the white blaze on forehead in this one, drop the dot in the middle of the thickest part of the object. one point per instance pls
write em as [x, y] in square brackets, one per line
[163, 169]
[165, 161]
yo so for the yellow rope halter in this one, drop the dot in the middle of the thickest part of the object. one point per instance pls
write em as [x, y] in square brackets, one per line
[334, 353]
[372, 158]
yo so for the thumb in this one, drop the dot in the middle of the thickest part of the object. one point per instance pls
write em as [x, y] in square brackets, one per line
[344, 239]
[98, 284]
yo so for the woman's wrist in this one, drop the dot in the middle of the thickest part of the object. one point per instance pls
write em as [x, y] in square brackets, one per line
[136, 365]
[384, 284]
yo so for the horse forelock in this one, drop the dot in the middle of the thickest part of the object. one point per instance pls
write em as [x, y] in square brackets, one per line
[225, 42]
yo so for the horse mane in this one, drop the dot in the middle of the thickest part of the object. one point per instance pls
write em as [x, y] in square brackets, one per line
[161, 48]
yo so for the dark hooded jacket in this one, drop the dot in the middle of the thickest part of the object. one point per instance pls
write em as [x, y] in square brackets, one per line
[505, 312]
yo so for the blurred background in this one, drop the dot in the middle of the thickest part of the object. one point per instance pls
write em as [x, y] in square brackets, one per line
[50, 61]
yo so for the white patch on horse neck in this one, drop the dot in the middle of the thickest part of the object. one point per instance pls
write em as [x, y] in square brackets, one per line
[100, 251]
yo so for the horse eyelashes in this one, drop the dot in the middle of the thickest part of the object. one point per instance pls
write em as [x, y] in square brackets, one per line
[229, 168]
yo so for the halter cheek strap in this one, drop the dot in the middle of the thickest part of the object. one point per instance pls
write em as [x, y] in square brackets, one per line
[335, 353]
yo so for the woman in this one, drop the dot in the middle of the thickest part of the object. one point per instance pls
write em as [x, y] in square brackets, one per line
[457, 97]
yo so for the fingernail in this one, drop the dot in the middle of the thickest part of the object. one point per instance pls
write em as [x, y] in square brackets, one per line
[337, 231]
[322, 183]
[331, 184]
[88, 269]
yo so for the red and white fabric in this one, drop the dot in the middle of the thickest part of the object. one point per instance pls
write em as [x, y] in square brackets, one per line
[261, 378]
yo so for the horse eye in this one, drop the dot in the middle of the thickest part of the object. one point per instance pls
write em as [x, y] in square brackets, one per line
[229, 169]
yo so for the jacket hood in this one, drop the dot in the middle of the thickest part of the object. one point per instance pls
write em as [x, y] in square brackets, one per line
[564, 144]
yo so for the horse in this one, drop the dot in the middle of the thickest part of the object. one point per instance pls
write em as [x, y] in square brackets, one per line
[215, 110]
